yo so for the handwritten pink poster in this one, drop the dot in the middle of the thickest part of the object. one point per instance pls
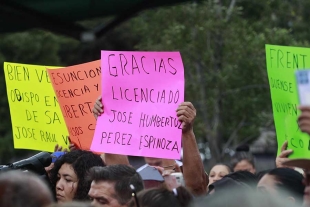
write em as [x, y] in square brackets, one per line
[141, 92]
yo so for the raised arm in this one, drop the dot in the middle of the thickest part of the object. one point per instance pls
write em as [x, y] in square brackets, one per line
[194, 174]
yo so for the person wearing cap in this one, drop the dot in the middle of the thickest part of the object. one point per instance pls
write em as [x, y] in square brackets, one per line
[55, 156]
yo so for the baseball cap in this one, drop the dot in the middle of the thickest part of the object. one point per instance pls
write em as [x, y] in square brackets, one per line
[56, 155]
[150, 173]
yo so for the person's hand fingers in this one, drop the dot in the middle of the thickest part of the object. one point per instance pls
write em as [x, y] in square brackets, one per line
[185, 113]
[177, 168]
[56, 148]
[99, 103]
[171, 182]
[167, 172]
[304, 125]
[183, 119]
[160, 169]
[97, 109]
[72, 147]
[284, 146]
[304, 115]
[304, 108]
[280, 162]
[187, 104]
[60, 148]
[283, 160]
[186, 108]
[285, 153]
[66, 150]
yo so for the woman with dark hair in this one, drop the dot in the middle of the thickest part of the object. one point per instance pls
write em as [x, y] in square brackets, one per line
[162, 197]
[283, 182]
[218, 172]
[243, 161]
[69, 175]
[241, 181]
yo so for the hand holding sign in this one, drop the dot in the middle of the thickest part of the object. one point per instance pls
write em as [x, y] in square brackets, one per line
[282, 64]
[140, 94]
[186, 113]
[283, 157]
[98, 107]
[304, 119]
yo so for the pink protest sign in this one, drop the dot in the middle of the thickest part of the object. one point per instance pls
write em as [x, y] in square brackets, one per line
[140, 93]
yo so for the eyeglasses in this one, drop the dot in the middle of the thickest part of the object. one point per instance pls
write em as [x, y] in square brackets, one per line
[134, 194]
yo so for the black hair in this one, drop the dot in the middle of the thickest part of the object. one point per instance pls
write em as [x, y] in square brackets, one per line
[290, 182]
[242, 180]
[81, 161]
[240, 156]
[71, 204]
[227, 167]
[163, 197]
[233, 197]
[23, 189]
[261, 174]
[243, 148]
[123, 176]
[244, 177]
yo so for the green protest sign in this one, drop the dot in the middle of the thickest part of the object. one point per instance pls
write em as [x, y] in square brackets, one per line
[282, 62]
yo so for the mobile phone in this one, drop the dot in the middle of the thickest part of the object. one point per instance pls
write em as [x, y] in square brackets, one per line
[303, 86]
[179, 178]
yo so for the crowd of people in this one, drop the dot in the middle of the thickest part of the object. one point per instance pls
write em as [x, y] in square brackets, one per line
[82, 178]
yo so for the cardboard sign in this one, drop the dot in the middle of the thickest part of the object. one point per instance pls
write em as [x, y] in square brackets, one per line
[282, 62]
[36, 118]
[77, 87]
[140, 93]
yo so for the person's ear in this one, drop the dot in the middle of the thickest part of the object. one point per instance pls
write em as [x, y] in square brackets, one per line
[290, 199]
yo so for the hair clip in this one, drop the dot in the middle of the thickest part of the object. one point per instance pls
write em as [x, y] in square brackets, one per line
[175, 192]
[134, 194]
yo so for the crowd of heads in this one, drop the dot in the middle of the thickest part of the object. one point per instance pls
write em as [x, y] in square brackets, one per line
[82, 178]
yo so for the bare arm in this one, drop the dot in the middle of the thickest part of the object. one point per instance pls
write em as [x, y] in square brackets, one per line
[114, 159]
[194, 174]
[193, 170]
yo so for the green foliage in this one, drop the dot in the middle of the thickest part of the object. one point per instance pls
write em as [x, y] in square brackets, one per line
[223, 50]
[224, 58]
[44, 48]
[35, 47]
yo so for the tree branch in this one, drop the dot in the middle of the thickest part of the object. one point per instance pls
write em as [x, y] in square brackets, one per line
[245, 140]
[233, 135]
[218, 7]
[230, 10]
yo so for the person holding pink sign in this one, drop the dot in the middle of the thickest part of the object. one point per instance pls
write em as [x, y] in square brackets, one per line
[195, 177]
